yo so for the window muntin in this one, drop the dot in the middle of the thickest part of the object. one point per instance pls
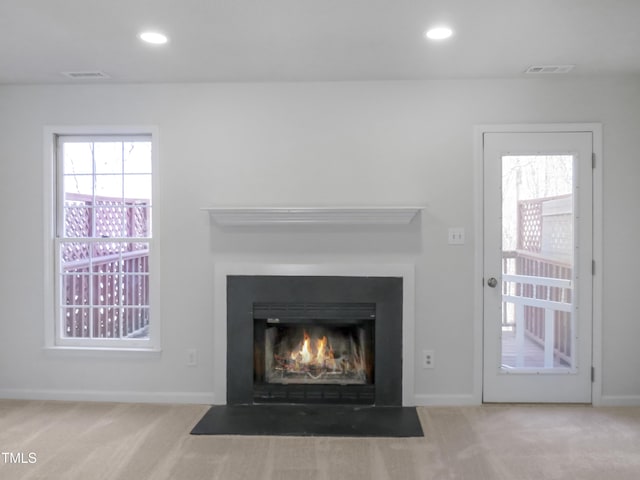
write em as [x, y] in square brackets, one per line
[104, 240]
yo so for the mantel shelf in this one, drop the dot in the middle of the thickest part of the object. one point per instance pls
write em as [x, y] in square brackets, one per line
[254, 216]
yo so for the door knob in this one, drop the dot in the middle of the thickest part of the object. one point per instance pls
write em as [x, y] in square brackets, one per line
[492, 282]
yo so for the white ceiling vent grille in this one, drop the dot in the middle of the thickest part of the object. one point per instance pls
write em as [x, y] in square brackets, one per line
[86, 75]
[548, 69]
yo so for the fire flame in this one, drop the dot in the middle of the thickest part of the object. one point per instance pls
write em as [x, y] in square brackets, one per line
[312, 359]
[321, 355]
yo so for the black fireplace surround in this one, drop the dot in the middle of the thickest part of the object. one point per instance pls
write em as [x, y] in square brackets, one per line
[362, 316]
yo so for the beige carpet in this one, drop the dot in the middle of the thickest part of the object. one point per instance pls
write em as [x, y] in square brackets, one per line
[93, 441]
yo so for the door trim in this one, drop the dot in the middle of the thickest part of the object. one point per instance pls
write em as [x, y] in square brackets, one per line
[596, 130]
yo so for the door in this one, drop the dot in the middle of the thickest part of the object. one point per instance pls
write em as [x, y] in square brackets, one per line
[537, 267]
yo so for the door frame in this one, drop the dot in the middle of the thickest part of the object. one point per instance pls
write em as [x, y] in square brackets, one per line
[596, 130]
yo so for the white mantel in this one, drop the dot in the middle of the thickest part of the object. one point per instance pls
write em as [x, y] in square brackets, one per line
[248, 216]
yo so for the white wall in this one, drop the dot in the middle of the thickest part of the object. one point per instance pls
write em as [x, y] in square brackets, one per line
[390, 143]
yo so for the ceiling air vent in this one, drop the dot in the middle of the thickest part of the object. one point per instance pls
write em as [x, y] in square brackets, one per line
[86, 75]
[546, 69]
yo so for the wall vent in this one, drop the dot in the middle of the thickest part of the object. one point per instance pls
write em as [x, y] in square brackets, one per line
[548, 69]
[86, 75]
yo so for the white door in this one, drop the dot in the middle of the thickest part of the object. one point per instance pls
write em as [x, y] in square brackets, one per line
[537, 267]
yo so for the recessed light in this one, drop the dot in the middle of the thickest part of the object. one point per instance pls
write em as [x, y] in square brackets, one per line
[155, 38]
[439, 33]
[543, 69]
[86, 75]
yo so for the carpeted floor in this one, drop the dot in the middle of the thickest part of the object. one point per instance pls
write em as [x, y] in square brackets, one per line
[102, 441]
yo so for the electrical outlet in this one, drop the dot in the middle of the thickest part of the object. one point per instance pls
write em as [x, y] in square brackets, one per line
[456, 236]
[428, 359]
[192, 357]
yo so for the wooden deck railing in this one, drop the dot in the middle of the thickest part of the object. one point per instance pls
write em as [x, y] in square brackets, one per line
[537, 302]
[537, 291]
[105, 285]
[115, 288]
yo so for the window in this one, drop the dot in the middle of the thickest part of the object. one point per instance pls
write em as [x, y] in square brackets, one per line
[103, 241]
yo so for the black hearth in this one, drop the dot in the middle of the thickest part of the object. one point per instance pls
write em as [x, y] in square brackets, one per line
[304, 339]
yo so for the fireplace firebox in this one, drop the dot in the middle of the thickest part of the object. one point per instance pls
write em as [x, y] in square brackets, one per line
[304, 339]
[314, 353]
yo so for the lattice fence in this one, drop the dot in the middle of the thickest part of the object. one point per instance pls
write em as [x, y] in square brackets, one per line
[103, 217]
[530, 225]
[545, 225]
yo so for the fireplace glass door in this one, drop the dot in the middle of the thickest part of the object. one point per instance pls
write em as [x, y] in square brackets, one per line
[317, 352]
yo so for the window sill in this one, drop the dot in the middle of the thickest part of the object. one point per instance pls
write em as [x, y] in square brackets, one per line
[102, 352]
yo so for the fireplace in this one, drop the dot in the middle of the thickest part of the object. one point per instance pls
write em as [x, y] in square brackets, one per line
[306, 339]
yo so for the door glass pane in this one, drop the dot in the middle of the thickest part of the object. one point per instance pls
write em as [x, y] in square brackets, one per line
[537, 262]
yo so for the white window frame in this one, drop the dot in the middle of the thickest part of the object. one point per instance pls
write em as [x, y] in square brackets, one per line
[53, 331]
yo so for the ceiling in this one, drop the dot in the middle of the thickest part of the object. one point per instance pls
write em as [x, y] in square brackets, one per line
[313, 40]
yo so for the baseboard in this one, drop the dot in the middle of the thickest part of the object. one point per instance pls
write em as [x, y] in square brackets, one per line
[619, 401]
[441, 400]
[206, 398]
